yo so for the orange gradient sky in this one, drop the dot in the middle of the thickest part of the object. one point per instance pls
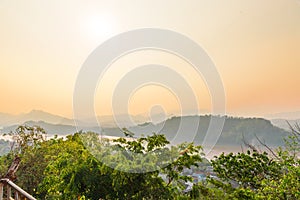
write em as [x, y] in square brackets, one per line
[254, 44]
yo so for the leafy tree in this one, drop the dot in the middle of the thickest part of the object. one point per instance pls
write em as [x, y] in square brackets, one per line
[256, 175]
[84, 166]
[25, 137]
[287, 187]
[26, 140]
[246, 169]
[131, 157]
[73, 172]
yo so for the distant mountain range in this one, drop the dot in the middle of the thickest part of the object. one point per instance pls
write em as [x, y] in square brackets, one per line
[283, 120]
[39, 115]
[34, 115]
[284, 123]
[235, 128]
[284, 115]
[278, 119]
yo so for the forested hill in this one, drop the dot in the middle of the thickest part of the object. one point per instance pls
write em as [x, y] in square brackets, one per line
[232, 133]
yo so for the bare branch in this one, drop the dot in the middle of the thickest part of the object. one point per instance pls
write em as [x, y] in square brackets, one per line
[247, 144]
[242, 148]
[295, 130]
[266, 146]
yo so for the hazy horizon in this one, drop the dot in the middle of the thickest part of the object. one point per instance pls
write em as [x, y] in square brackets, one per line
[255, 46]
[294, 115]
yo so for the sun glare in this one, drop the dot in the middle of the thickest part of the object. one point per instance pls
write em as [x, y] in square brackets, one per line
[98, 27]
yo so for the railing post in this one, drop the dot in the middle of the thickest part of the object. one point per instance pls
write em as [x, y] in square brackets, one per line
[16, 195]
[1, 191]
[8, 191]
[19, 193]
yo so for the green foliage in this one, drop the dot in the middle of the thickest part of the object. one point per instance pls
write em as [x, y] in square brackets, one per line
[255, 175]
[285, 188]
[72, 173]
[5, 162]
[246, 169]
[69, 169]
[27, 141]
[85, 166]
[190, 155]
[26, 137]
[149, 154]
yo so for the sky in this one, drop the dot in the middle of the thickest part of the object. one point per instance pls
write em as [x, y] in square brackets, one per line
[254, 44]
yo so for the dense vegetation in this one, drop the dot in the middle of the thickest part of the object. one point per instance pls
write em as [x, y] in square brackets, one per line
[69, 168]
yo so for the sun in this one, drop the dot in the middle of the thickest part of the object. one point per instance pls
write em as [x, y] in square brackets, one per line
[98, 27]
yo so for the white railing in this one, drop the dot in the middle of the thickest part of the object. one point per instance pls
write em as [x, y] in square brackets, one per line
[10, 191]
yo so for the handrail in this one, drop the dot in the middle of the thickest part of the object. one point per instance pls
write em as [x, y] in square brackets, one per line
[19, 192]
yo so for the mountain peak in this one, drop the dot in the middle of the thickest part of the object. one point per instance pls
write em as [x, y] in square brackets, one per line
[34, 111]
[41, 113]
[34, 115]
